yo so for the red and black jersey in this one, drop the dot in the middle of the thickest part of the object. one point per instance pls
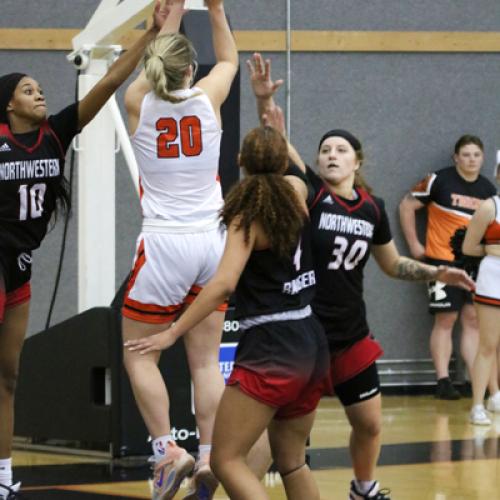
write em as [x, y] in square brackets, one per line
[451, 201]
[31, 170]
[342, 233]
[271, 284]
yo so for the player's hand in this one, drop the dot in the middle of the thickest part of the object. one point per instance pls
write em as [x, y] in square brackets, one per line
[260, 77]
[162, 10]
[160, 14]
[455, 277]
[158, 342]
[273, 117]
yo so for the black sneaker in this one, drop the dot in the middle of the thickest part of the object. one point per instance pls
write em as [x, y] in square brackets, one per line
[466, 390]
[373, 494]
[445, 389]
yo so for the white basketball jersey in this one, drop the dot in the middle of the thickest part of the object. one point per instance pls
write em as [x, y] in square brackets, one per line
[177, 148]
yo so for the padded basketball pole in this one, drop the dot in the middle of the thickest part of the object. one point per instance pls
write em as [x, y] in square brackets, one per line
[93, 53]
[125, 144]
[96, 200]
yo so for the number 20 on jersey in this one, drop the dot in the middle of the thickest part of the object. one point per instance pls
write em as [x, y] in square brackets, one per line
[188, 129]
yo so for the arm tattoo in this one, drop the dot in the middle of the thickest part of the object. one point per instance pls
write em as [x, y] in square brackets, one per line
[412, 270]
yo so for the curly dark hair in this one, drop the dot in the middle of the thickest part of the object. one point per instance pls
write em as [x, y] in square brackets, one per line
[264, 196]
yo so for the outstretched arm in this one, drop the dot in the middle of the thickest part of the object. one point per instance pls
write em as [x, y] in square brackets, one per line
[217, 83]
[270, 114]
[273, 117]
[119, 71]
[404, 268]
[262, 83]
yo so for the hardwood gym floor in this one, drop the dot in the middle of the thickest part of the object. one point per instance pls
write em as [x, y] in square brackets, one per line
[430, 452]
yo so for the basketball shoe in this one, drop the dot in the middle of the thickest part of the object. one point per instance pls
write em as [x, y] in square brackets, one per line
[446, 390]
[170, 471]
[9, 492]
[203, 483]
[478, 416]
[374, 493]
[493, 404]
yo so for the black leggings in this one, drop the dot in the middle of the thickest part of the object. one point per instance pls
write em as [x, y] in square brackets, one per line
[361, 387]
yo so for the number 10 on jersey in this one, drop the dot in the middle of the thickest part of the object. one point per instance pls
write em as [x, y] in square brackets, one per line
[31, 201]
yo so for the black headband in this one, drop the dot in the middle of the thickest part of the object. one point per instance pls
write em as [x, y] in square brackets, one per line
[351, 139]
[8, 84]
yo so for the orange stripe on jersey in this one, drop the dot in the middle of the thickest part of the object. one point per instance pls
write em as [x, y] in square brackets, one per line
[152, 308]
[149, 313]
[424, 186]
[141, 189]
[139, 262]
[486, 300]
[146, 313]
[193, 293]
[441, 225]
[132, 313]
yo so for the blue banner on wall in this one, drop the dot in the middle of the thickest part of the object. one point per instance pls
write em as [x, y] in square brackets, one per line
[226, 358]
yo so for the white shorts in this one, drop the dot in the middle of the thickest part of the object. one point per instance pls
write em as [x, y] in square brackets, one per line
[488, 282]
[170, 268]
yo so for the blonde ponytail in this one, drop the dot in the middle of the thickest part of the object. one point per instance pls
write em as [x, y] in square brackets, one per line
[166, 62]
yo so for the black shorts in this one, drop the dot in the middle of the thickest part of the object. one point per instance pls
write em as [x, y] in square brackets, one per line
[15, 266]
[283, 364]
[361, 387]
[446, 298]
[15, 275]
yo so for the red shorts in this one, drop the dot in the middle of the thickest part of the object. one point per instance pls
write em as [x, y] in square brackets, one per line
[349, 362]
[283, 365]
[14, 298]
[292, 397]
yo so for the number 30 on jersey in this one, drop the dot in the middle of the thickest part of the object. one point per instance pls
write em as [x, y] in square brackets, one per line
[346, 256]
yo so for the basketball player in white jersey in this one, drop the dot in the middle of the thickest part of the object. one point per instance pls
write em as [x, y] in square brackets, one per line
[176, 131]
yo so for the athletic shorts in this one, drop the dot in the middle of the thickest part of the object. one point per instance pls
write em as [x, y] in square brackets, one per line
[169, 271]
[283, 364]
[15, 275]
[488, 282]
[443, 297]
[349, 362]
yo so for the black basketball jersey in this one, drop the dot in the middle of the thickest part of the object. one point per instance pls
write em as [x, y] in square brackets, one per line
[270, 284]
[31, 170]
[342, 233]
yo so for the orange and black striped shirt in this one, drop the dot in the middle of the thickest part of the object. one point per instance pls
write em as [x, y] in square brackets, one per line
[451, 201]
